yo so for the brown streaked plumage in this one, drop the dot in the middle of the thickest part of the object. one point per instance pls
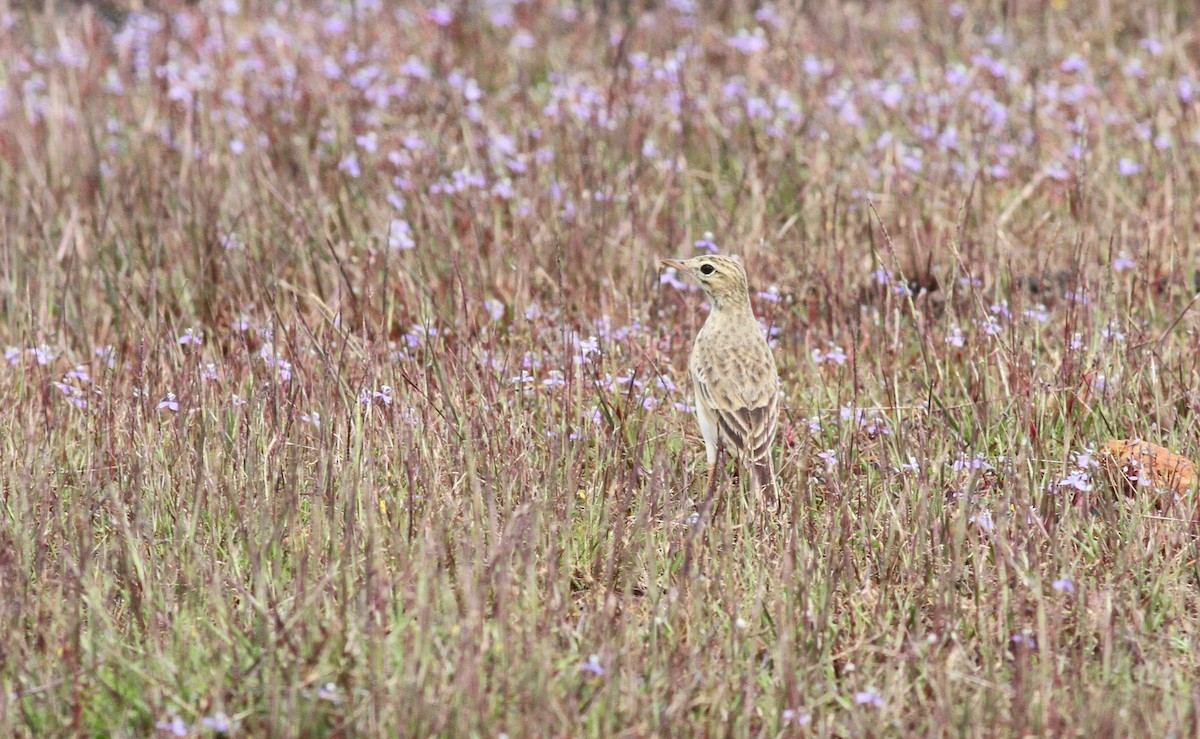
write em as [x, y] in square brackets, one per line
[733, 372]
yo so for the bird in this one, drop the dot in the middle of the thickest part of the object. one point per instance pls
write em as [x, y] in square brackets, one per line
[733, 373]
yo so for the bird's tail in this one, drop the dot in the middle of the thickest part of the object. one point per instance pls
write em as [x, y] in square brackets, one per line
[762, 472]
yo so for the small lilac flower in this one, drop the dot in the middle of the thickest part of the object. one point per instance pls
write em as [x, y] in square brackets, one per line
[830, 458]
[706, 243]
[174, 727]
[748, 43]
[983, 520]
[440, 15]
[494, 308]
[684, 407]
[858, 415]
[1038, 314]
[209, 372]
[1073, 63]
[190, 336]
[974, 463]
[1078, 480]
[1057, 172]
[799, 716]
[592, 666]
[43, 354]
[956, 338]
[237, 400]
[329, 692]
[1025, 639]
[1122, 262]
[79, 373]
[814, 424]
[1128, 167]
[1086, 459]
[400, 235]
[169, 403]
[1064, 585]
[868, 698]
[314, 418]
[12, 355]
[383, 394]
[1185, 88]
[349, 165]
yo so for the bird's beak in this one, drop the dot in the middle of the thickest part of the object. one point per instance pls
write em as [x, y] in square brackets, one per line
[674, 263]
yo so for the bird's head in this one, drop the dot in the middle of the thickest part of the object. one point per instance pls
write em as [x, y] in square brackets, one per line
[722, 278]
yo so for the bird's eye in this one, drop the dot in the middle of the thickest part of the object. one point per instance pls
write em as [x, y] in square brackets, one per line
[707, 269]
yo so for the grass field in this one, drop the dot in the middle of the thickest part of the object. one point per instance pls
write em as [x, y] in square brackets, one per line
[343, 394]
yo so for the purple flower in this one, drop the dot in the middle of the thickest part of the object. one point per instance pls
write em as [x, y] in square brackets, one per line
[1057, 172]
[1024, 639]
[799, 716]
[834, 355]
[1038, 314]
[494, 308]
[441, 15]
[1154, 46]
[830, 458]
[1128, 167]
[174, 727]
[349, 165]
[384, 394]
[706, 243]
[400, 235]
[1073, 63]
[975, 463]
[1122, 262]
[983, 520]
[592, 666]
[748, 43]
[955, 338]
[1064, 585]
[313, 417]
[191, 337]
[169, 403]
[868, 698]
[218, 722]
[1078, 480]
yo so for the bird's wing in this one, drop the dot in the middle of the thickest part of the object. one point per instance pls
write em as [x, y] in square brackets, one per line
[740, 388]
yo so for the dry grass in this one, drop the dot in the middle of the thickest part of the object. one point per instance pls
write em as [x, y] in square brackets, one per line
[451, 489]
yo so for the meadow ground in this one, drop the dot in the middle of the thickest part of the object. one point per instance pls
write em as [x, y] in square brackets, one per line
[343, 393]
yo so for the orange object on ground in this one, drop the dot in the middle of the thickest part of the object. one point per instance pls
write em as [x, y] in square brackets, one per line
[1143, 464]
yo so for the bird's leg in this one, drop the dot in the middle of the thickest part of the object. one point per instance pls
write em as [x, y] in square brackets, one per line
[710, 490]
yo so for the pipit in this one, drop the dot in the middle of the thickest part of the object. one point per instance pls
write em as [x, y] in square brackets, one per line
[733, 373]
